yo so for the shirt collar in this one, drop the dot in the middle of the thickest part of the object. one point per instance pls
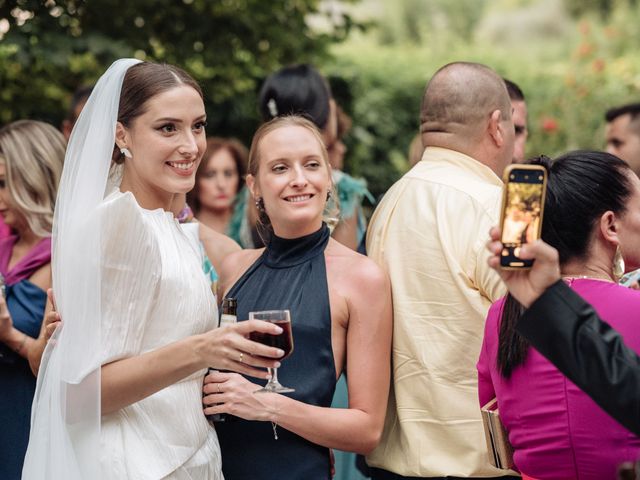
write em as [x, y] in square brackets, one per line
[461, 160]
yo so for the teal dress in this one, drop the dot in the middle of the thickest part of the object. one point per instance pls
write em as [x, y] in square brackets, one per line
[239, 229]
[351, 193]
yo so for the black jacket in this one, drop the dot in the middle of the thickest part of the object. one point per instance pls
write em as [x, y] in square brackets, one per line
[566, 330]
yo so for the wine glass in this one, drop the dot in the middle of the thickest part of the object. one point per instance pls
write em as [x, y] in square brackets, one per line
[284, 341]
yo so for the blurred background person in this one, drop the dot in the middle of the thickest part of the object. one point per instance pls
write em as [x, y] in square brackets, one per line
[623, 134]
[80, 97]
[213, 246]
[31, 158]
[592, 217]
[351, 191]
[219, 199]
[4, 229]
[623, 140]
[520, 122]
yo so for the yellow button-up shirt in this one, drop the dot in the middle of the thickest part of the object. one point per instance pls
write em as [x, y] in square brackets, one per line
[429, 232]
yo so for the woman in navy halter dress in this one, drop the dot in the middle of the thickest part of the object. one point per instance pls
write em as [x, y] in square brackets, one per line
[340, 314]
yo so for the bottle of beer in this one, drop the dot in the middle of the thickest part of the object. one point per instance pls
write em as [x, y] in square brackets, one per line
[229, 317]
[229, 312]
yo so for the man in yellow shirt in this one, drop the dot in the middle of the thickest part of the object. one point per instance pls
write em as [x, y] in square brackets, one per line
[429, 232]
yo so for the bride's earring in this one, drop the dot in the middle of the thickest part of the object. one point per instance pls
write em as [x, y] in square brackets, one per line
[125, 151]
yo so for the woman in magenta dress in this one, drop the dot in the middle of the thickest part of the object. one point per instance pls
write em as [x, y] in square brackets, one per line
[592, 216]
[31, 155]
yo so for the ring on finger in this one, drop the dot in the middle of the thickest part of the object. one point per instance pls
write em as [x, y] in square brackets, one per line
[241, 356]
[218, 385]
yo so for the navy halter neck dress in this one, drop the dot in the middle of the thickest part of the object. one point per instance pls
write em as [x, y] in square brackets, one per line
[290, 274]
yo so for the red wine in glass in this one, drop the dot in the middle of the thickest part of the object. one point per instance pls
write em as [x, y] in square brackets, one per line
[284, 341]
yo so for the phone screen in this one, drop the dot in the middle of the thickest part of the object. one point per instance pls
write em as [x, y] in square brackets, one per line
[522, 213]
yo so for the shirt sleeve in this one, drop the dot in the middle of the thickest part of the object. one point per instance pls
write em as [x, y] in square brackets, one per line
[486, 278]
[130, 266]
[568, 331]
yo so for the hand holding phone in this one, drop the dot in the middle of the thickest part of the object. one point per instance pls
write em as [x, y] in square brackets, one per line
[522, 209]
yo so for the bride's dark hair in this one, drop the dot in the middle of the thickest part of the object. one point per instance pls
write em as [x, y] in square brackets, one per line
[142, 82]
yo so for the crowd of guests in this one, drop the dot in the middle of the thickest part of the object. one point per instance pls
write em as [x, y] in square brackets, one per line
[402, 328]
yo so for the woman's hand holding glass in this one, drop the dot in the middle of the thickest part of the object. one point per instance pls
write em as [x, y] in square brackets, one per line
[229, 348]
[284, 340]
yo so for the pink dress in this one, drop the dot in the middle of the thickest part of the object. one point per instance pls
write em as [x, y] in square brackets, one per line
[556, 430]
[4, 229]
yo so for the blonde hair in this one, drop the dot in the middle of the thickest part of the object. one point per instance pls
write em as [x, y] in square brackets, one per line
[332, 209]
[33, 154]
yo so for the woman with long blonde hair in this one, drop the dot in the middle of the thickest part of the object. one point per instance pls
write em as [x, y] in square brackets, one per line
[31, 156]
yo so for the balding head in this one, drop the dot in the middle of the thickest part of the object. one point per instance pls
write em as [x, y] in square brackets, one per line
[462, 107]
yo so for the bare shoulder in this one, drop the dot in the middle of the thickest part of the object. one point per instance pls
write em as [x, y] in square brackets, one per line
[354, 269]
[234, 265]
[42, 277]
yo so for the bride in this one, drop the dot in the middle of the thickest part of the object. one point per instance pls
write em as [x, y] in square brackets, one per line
[119, 390]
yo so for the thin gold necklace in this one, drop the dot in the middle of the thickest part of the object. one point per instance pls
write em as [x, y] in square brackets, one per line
[601, 278]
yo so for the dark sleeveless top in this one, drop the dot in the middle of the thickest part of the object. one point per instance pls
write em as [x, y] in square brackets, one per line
[291, 274]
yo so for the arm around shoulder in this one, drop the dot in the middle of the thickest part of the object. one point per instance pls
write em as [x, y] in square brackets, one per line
[233, 266]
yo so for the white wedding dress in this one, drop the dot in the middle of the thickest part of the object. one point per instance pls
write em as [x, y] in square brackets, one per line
[149, 301]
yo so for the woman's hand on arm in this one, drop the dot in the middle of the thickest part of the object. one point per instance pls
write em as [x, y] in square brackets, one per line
[50, 323]
[131, 379]
[226, 392]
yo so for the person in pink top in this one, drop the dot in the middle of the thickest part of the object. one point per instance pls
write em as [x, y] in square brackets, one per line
[592, 217]
[4, 229]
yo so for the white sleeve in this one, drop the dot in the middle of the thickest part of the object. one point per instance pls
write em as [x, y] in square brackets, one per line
[131, 266]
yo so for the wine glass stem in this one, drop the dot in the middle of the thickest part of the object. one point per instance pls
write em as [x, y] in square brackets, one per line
[274, 378]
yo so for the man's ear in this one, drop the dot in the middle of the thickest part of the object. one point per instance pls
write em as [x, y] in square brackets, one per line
[495, 128]
[122, 136]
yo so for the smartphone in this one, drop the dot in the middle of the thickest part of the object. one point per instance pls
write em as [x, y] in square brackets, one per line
[522, 208]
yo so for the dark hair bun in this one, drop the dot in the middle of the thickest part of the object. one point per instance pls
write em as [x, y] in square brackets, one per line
[298, 89]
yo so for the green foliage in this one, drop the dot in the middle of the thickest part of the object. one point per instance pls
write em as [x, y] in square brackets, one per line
[385, 110]
[569, 85]
[420, 20]
[230, 46]
[601, 7]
